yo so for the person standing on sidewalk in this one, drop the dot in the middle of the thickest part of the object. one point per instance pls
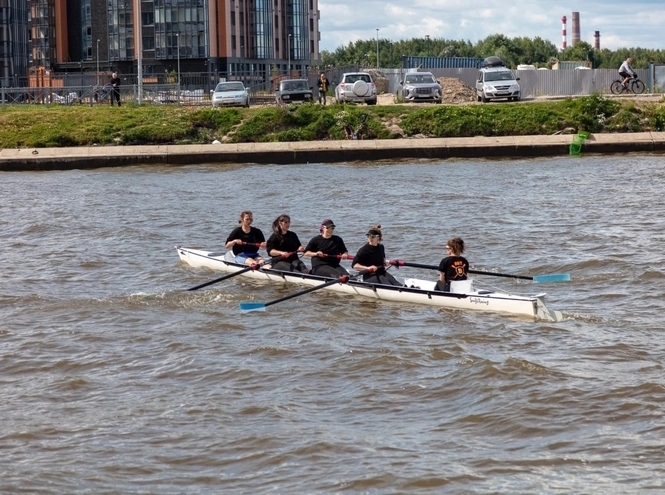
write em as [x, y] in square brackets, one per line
[115, 85]
[322, 84]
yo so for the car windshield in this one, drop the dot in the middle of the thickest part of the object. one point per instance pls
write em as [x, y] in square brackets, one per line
[230, 86]
[351, 78]
[499, 76]
[294, 85]
[419, 79]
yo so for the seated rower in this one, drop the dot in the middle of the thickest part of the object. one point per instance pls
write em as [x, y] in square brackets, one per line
[372, 256]
[326, 251]
[245, 241]
[284, 241]
[454, 266]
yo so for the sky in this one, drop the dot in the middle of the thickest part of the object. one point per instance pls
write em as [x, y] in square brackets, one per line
[622, 23]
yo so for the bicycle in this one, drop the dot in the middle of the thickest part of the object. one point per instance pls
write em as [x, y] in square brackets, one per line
[101, 93]
[634, 85]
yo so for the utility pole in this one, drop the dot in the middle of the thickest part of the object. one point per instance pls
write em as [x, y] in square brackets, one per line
[97, 62]
[289, 50]
[177, 37]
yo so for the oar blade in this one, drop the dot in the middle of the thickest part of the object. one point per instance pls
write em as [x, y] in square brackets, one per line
[246, 307]
[556, 277]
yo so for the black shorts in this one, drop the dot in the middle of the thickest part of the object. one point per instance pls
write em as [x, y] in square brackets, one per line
[625, 74]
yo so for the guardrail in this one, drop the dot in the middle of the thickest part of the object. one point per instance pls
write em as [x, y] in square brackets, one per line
[101, 95]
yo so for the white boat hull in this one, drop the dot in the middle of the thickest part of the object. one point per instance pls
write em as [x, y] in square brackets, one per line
[416, 291]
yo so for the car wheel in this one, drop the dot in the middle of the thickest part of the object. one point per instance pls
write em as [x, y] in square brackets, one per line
[483, 98]
[371, 102]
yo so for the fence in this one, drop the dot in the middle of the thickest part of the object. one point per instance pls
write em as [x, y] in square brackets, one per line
[195, 89]
[533, 83]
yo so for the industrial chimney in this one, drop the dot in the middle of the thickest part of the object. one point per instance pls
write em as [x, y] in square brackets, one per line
[563, 32]
[576, 28]
[596, 36]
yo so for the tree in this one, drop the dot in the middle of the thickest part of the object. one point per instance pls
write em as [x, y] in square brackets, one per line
[500, 46]
[512, 51]
[580, 51]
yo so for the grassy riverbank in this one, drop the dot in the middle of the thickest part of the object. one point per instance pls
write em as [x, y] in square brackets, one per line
[54, 126]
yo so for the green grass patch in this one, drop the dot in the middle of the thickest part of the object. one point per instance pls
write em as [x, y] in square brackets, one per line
[84, 125]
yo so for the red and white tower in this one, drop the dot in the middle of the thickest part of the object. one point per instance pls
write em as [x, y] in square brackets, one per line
[563, 32]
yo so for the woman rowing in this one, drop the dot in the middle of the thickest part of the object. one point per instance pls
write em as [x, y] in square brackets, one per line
[372, 256]
[246, 240]
[454, 266]
[326, 251]
[284, 241]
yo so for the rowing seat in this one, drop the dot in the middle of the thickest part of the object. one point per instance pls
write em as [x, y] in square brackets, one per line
[461, 286]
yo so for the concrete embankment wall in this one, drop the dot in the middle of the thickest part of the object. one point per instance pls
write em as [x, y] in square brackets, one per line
[323, 151]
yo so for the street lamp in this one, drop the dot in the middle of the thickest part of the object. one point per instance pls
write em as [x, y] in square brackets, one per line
[377, 48]
[427, 44]
[97, 62]
[177, 37]
[289, 50]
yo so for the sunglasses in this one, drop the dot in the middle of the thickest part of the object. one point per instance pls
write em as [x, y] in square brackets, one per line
[329, 227]
[371, 236]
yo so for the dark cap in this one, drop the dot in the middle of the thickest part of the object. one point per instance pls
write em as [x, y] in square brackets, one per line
[327, 223]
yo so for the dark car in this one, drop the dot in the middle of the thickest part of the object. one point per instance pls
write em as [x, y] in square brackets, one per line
[293, 91]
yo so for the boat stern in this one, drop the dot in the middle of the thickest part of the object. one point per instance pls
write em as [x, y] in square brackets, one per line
[542, 312]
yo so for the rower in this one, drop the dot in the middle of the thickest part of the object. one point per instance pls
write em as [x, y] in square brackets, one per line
[453, 267]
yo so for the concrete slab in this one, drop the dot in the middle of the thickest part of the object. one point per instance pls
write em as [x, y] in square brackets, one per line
[324, 151]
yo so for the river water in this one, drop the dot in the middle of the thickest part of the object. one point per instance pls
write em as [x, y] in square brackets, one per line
[113, 379]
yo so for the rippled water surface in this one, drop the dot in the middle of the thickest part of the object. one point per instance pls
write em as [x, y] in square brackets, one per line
[113, 379]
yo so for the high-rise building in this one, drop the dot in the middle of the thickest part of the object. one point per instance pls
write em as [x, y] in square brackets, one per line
[230, 37]
[13, 42]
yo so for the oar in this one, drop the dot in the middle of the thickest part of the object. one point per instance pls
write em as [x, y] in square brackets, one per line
[246, 307]
[349, 257]
[558, 277]
[253, 266]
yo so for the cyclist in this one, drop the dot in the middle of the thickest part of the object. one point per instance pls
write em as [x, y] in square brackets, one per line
[626, 72]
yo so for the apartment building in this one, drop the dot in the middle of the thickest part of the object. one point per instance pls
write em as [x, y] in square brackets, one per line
[13, 42]
[221, 37]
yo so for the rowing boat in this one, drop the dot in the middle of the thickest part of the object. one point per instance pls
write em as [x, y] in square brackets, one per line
[415, 291]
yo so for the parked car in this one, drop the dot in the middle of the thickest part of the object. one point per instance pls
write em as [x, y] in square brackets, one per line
[356, 87]
[418, 86]
[497, 83]
[230, 93]
[293, 91]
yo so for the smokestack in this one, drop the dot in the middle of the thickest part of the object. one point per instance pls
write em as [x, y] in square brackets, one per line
[596, 35]
[576, 28]
[563, 32]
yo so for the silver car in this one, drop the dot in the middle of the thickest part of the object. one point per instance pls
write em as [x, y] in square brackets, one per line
[497, 83]
[230, 93]
[418, 86]
[356, 87]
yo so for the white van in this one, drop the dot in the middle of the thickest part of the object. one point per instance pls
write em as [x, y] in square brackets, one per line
[497, 83]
